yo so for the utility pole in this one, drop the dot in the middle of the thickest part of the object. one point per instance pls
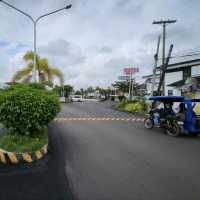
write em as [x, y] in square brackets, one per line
[164, 23]
[162, 73]
[155, 66]
[130, 84]
[133, 82]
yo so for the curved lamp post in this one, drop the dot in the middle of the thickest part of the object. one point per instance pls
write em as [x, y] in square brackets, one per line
[35, 21]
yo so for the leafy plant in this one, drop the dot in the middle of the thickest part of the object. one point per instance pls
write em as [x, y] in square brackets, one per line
[135, 106]
[27, 109]
[23, 143]
[46, 73]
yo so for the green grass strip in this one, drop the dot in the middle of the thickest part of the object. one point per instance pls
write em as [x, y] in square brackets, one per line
[23, 143]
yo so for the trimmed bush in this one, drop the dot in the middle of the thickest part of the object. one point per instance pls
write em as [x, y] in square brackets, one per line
[27, 109]
[135, 106]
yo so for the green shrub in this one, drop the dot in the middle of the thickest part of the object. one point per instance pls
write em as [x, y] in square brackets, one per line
[135, 106]
[27, 109]
[122, 104]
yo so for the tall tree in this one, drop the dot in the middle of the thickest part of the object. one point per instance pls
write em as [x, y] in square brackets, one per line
[78, 92]
[122, 86]
[45, 71]
[90, 89]
[68, 89]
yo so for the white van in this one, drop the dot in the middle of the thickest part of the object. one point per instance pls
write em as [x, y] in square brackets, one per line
[77, 98]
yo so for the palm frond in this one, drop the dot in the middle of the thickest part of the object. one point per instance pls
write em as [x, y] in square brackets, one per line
[46, 73]
[22, 73]
[27, 79]
[56, 72]
[29, 56]
[43, 64]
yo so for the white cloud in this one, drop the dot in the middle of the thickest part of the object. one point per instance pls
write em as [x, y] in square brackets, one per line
[92, 42]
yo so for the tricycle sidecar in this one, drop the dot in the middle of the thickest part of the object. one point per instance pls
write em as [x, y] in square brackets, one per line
[185, 119]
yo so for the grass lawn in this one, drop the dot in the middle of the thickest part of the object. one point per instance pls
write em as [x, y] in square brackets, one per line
[23, 143]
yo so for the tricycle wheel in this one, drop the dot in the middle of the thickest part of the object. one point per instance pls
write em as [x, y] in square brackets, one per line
[148, 123]
[173, 128]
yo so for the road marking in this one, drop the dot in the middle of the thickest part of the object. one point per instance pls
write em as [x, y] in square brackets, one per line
[98, 119]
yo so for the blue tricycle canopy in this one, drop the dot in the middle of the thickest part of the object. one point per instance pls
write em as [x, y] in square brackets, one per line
[168, 98]
[173, 99]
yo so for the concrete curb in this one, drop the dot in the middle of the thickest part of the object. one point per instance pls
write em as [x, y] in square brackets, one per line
[7, 157]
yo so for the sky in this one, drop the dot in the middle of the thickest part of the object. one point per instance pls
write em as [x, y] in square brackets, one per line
[93, 41]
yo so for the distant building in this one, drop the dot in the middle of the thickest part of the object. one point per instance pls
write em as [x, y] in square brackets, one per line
[180, 78]
[94, 94]
[148, 83]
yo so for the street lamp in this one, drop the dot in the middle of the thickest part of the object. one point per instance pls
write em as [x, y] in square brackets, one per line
[35, 21]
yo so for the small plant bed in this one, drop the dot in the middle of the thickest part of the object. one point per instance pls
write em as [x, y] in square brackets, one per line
[25, 112]
[135, 106]
[23, 143]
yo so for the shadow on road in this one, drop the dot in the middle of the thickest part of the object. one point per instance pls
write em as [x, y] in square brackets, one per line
[44, 179]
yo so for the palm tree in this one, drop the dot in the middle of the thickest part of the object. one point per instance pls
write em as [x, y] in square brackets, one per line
[46, 73]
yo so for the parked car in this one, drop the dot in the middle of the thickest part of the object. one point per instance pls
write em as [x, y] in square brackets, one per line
[77, 98]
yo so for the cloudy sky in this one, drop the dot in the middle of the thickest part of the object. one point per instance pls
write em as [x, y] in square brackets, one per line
[92, 42]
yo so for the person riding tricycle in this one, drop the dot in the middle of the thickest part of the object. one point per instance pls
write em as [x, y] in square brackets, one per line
[175, 114]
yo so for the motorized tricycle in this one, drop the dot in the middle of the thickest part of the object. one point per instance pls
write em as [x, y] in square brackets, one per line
[184, 120]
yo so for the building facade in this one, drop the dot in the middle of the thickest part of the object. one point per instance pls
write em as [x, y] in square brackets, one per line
[180, 78]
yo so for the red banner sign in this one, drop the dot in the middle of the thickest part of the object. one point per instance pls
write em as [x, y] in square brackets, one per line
[131, 70]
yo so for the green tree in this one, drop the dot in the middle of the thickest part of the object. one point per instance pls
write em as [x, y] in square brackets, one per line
[46, 72]
[68, 89]
[78, 92]
[90, 89]
[58, 90]
[122, 86]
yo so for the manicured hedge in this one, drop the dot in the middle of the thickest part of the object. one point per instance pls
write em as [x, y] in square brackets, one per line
[135, 106]
[27, 109]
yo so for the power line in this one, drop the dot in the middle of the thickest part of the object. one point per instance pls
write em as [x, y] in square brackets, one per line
[190, 52]
[187, 55]
[183, 56]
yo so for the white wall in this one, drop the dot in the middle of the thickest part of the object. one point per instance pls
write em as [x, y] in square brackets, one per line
[171, 78]
[149, 86]
[195, 71]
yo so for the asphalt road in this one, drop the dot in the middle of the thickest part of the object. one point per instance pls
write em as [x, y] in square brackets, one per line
[43, 180]
[103, 154]
[120, 160]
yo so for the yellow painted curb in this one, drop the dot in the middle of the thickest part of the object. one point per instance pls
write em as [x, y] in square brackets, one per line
[16, 158]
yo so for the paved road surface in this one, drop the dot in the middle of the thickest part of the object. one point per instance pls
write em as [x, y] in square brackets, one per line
[120, 160]
[43, 180]
[106, 155]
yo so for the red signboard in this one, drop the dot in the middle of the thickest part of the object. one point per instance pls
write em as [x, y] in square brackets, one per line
[131, 70]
